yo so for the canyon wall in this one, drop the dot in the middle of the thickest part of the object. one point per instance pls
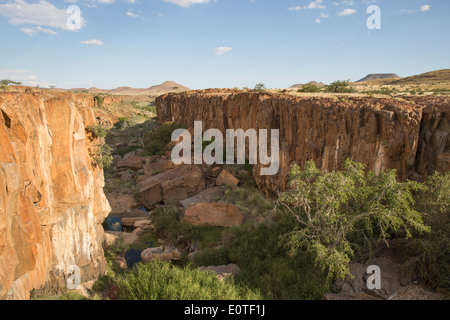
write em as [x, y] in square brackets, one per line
[410, 136]
[52, 203]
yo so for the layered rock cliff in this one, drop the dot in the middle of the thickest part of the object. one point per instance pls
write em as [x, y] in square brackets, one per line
[51, 193]
[410, 136]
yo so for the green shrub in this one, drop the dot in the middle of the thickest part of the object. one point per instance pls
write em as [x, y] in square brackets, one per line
[339, 212]
[309, 88]
[162, 281]
[98, 99]
[431, 252]
[98, 131]
[340, 87]
[383, 91]
[250, 201]
[211, 257]
[156, 141]
[103, 157]
[269, 267]
[119, 246]
[441, 91]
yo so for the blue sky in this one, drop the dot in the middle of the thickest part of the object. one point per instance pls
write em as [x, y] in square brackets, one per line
[218, 43]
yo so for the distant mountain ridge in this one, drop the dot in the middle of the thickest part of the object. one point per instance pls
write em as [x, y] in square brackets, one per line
[433, 77]
[314, 83]
[168, 86]
[379, 76]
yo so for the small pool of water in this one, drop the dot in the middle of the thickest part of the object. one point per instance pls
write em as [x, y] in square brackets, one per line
[133, 256]
[113, 224]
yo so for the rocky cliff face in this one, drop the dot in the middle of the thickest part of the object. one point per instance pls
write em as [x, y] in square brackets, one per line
[410, 136]
[51, 193]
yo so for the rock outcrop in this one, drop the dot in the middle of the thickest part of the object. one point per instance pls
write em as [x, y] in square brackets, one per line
[214, 215]
[176, 184]
[51, 193]
[410, 136]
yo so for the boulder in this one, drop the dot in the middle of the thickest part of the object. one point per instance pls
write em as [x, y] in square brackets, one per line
[228, 179]
[133, 162]
[129, 238]
[126, 176]
[443, 162]
[391, 280]
[121, 203]
[206, 196]
[160, 253]
[176, 184]
[143, 224]
[213, 214]
[151, 168]
[130, 222]
[224, 271]
[110, 237]
[136, 213]
[129, 155]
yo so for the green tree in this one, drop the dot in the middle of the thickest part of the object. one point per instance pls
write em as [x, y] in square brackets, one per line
[260, 87]
[431, 251]
[339, 212]
[8, 82]
[103, 156]
[340, 86]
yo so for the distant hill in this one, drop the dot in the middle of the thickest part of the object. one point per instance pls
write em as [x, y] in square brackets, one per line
[379, 76]
[433, 77]
[315, 83]
[168, 86]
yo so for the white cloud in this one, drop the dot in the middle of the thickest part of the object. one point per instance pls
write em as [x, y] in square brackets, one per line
[42, 13]
[93, 42]
[425, 7]
[186, 3]
[133, 15]
[221, 50]
[317, 4]
[347, 12]
[34, 30]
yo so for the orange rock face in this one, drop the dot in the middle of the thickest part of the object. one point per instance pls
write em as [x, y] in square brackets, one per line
[51, 193]
[383, 133]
